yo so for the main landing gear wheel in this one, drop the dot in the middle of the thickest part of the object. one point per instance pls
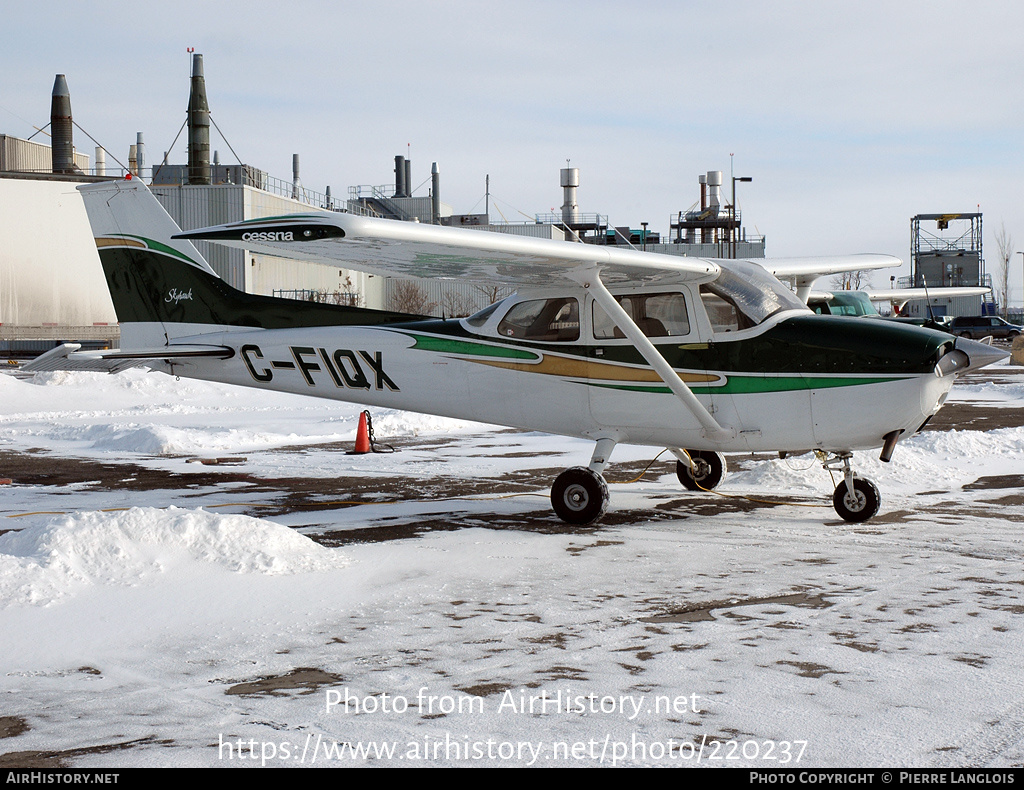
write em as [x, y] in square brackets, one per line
[579, 495]
[859, 506]
[707, 473]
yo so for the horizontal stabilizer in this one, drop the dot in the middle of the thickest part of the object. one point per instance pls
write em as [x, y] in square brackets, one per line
[68, 357]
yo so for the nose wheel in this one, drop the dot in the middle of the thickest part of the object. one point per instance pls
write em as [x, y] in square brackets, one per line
[857, 505]
[855, 499]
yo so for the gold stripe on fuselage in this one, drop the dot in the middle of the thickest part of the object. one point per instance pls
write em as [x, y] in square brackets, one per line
[574, 367]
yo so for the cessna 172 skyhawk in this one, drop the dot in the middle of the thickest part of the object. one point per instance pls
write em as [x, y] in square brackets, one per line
[700, 356]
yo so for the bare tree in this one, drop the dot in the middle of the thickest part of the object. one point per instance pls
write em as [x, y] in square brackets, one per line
[348, 297]
[408, 297]
[855, 280]
[493, 293]
[1004, 245]
[455, 304]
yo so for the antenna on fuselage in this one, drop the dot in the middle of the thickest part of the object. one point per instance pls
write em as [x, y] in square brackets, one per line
[927, 298]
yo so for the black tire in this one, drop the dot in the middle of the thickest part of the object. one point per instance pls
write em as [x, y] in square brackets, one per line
[579, 495]
[860, 507]
[710, 470]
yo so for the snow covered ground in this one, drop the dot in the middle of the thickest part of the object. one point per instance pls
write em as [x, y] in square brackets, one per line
[149, 615]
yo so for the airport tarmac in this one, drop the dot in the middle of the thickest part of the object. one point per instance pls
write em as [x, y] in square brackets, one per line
[894, 642]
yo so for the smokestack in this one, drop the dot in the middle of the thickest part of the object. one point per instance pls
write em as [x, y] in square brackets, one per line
[400, 182]
[198, 126]
[435, 194]
[408, 178]
[296, 183]
[140, 155]
[715, 190]
[133, 159]
[570, 181]
[101, 161]
[62, 147]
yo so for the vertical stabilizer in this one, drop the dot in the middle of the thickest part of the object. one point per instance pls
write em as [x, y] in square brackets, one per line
[154, 280]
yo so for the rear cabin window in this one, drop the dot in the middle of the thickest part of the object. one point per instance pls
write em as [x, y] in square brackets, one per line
[657, 315]
[553, 320]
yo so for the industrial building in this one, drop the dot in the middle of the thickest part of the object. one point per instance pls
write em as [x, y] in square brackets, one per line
[52, 287]
[949, 255]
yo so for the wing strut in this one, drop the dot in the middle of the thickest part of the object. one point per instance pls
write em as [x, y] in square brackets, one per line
[591, 279]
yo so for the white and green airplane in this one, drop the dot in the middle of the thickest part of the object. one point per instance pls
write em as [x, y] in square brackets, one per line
[699, 356]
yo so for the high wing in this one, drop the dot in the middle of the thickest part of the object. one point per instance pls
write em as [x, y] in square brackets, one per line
[826, 264]
[904, 295]
[805, 271]
[409, 249]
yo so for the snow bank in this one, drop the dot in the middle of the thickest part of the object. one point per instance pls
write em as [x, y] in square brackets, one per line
[40, 565]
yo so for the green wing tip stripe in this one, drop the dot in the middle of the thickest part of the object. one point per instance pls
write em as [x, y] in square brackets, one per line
[279, 218]
[450, 346]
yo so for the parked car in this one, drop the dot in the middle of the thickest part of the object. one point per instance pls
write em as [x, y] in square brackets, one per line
[979, 326]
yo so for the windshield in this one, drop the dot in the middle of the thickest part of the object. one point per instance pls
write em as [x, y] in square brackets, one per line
[744, 295]
[851, 303]
[480, 318]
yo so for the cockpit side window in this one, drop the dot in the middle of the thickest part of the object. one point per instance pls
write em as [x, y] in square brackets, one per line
[657, 315]
[722, 312]
[556, 320]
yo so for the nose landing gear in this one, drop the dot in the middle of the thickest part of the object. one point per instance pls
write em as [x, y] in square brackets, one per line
[855, 499]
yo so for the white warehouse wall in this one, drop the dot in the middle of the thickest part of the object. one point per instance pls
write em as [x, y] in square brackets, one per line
[49, 270]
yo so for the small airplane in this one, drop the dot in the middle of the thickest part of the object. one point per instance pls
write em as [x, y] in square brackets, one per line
[618, 346]
[861, 303]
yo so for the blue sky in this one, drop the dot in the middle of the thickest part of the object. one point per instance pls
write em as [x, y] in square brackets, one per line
[850, 118]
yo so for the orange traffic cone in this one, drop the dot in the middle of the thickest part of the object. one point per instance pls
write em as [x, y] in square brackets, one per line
[362, 436]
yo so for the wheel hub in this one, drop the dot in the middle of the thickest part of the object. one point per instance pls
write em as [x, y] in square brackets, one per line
[855, 502]
[576, 497]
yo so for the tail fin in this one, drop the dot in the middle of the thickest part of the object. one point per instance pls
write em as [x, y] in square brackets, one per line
[163, 289]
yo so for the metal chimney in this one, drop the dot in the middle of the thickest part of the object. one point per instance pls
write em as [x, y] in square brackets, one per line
[408, 178]
[198, 126]
[62, 148]
[101, 161]
[715, 191]
[570, 181]
[296, 182]
[400, 171]
[435, 194]
[140, 156]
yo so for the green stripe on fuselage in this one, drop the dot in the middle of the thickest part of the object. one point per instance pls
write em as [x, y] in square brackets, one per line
[451, 346]
[747, 385]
